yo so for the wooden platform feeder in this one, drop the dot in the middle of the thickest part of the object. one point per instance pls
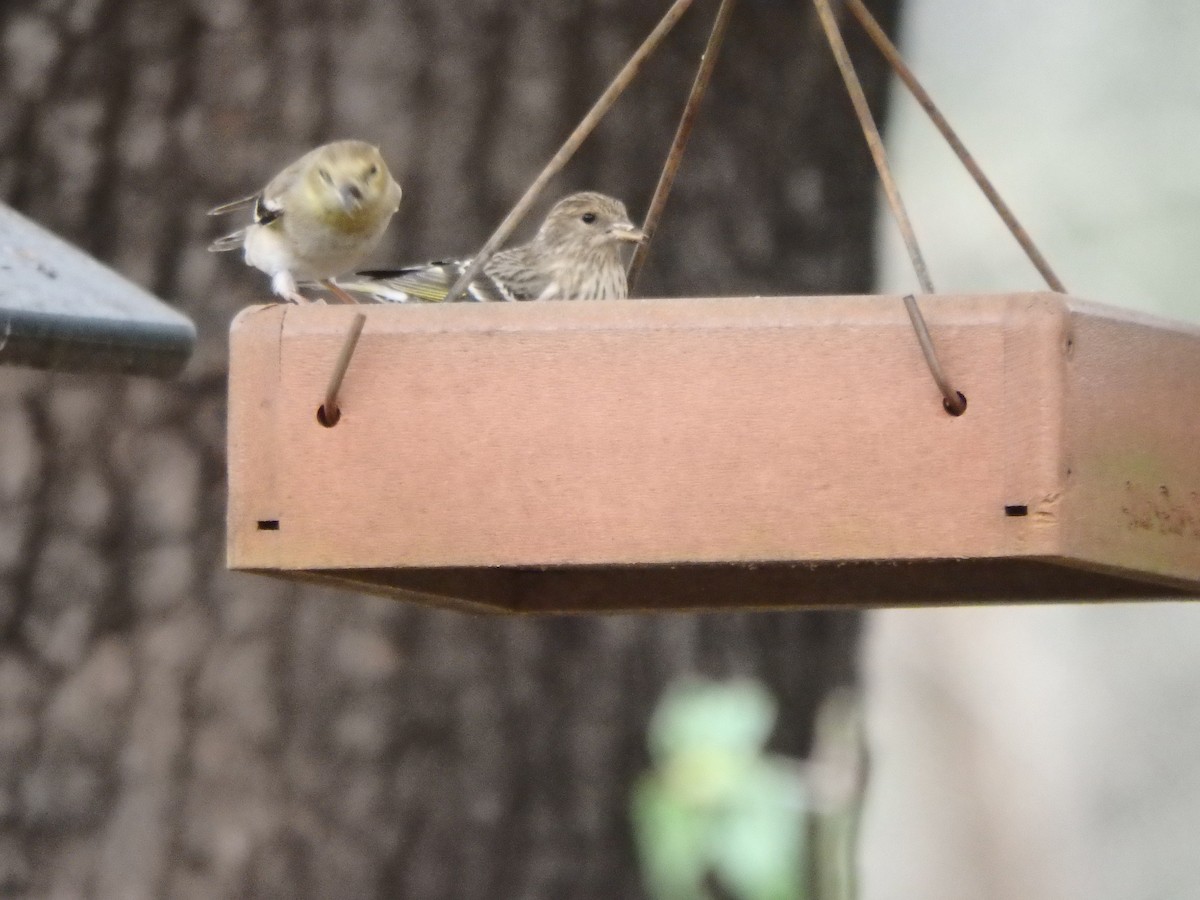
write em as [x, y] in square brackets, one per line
[719, 453]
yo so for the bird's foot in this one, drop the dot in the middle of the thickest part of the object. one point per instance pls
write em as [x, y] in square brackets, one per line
[337, 291]
[300, 300]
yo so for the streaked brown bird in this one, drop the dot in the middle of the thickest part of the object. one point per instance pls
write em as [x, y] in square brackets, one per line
[575, 255]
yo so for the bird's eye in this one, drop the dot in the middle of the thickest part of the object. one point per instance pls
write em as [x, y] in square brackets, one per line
[373, 171]
[588, 218]
[325, 176]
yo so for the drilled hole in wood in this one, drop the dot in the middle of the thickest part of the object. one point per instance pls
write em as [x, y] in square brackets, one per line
[268, 524]
[328, 420]
[1021, 510]
[962, 399]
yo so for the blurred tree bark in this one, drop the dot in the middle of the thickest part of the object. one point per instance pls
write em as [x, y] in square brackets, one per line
[168, 729]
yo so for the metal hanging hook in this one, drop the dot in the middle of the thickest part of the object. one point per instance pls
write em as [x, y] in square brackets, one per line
[953, 401]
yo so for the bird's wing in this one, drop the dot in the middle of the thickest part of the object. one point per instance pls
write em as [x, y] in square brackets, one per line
[264, 214]
[269, 200]
[521, 273]
[430, 283]
[272, 195]
[265, 210]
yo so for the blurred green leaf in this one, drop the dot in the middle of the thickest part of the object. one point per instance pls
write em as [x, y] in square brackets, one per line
[716, 804]
[736, 716]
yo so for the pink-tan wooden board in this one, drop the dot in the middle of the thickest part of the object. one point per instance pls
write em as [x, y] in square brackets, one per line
[719, 453]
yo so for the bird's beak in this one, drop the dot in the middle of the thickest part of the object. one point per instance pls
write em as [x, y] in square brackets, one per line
[351, 196]
[627, 231]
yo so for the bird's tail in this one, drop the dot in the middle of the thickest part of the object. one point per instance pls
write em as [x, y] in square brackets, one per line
[428, 283]
[232, 241]
[235, 205]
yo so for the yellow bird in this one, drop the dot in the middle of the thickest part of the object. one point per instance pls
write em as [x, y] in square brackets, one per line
[317, 219]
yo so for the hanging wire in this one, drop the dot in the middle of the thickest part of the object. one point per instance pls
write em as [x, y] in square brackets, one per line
[892, 55]
[567, 150]
[874, 142]
[953, 401]
[687, 122]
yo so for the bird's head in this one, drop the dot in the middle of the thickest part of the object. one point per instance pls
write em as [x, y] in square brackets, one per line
[588, 220]
[350, 182]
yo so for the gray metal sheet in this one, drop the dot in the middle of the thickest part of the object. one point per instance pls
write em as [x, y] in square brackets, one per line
[61, 309]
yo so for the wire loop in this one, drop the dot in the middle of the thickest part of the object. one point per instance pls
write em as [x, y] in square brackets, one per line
[328, 413]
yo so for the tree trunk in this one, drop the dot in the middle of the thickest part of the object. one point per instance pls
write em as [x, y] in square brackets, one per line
[168, 729]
